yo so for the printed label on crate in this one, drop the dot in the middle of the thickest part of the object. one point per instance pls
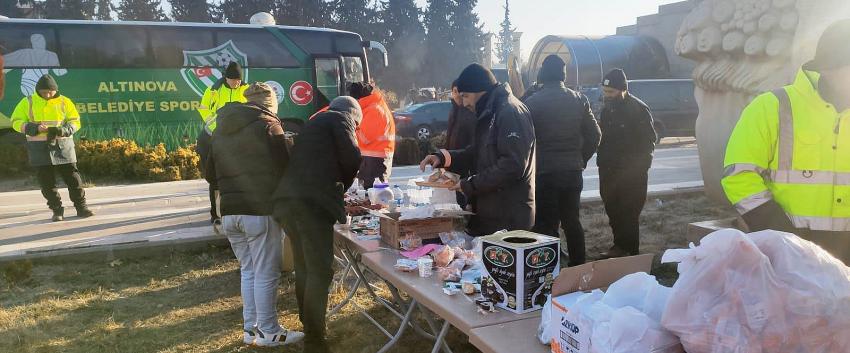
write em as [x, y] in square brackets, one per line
[540, 266]
[500, 264]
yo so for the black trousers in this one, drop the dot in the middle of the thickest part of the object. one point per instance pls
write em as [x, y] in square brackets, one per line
[311, 231]
[623, 192]
[558, 200]
[203, 148]
[70, 175]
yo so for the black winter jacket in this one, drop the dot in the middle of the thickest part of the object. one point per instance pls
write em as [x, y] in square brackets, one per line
[628, 136]
[503, 158]
[567, 133]
[247, 159]
[324, 162]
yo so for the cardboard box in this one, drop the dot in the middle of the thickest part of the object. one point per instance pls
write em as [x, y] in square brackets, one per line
[392, 229]
[521, 267]
[572, 333]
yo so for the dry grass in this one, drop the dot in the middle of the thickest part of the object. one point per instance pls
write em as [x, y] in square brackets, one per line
[189, 302]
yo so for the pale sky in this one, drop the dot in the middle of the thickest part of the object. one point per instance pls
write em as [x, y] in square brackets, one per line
[538, 18]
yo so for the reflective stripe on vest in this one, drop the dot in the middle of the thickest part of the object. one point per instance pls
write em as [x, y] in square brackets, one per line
[785, 174]
[752, 202]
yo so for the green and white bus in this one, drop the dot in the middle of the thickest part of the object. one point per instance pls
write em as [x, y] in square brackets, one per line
[144, 80]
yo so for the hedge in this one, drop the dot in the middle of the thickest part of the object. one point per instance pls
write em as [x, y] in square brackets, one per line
[115, 159]
[125, 160]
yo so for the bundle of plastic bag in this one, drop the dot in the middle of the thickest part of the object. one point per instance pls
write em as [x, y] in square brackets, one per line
[624, 319]
[769, 292]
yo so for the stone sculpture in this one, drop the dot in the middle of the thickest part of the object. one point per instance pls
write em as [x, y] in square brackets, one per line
[743, 48]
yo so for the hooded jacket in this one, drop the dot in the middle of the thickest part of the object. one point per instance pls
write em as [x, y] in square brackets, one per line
[503, 158]
[567, 133]
[247, 159]
[55, 146]
[323, 164]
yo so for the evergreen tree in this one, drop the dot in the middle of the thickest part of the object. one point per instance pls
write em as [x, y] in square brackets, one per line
[240, 11]
[67, 9]
[469, 37]
[141, 10]
[9, 8]
[190, 11]
[505, 46]
[104, 10]
[439, 44]
[404, 35]
[312, 13]
[356, 16]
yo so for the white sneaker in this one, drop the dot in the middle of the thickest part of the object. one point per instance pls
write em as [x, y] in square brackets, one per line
[280, 338]
[248, 336]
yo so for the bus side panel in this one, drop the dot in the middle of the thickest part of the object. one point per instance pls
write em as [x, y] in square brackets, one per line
[152, 106]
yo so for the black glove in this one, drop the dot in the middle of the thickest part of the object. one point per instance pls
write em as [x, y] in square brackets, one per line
[768, 216]
[52, 133]
[31, 129]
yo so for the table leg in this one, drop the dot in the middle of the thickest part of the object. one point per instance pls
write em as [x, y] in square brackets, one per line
[404, 321]
[440, 342]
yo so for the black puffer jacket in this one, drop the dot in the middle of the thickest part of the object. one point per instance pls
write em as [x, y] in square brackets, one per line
[628, 137]
[325, 160]
[503, 158]
[248, 157]
[567, 133]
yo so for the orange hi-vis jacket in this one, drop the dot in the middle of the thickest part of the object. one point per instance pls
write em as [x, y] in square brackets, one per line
[376, 135]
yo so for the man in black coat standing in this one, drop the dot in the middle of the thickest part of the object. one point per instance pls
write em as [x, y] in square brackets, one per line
[309, 200]
[501, 155]
[624, 158]
[567, 136]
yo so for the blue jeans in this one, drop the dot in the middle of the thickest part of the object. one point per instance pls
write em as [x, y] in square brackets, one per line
[257, 243]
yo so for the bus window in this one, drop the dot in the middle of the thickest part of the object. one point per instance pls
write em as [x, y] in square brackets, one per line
[327, 77]
[169, 44]
[261, 47]
[353, 67]
[28, 46]
[96, 47]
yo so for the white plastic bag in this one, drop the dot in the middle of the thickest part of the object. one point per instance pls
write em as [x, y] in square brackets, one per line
[544, 330]
[732, 297]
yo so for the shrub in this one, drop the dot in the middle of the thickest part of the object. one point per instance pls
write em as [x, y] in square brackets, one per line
[13, 160]
[125, 160]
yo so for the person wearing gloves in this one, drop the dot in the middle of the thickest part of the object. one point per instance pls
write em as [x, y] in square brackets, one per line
[567, 137]
[624, 158]
[309, 200]
[787, 163]
[49, 120]
[502, 155]
[230, 88]
[376, 135]
[247, 159]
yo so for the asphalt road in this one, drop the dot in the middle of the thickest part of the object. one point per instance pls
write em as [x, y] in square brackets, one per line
[671, 168]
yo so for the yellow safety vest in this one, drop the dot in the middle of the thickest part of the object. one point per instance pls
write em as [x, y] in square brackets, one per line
[792, 147]
[215, 97]
[53, 113]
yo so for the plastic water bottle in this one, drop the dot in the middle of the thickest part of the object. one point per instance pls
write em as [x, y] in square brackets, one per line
[398, 197]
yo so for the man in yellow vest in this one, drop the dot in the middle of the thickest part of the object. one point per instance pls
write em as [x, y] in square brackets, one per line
[229, 88]
[49, 120]
[787, 164]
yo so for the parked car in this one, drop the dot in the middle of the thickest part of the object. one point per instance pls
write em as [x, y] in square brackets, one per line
[672, 102]
[673, 105]
[423, 121]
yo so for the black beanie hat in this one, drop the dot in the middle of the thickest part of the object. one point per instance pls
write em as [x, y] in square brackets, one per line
[47, 82]
[233, 71]
[616, 79]
[475, 78]
[360, 89]
[553, 69]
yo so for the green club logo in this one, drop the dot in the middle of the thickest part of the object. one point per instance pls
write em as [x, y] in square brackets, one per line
[202, 68]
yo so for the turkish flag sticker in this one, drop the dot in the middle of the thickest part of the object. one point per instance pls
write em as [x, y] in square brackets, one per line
[202, 72]
[301, 93]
